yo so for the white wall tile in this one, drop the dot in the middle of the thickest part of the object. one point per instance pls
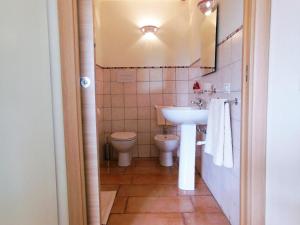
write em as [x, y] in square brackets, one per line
[130, 88]
[182, 73]
[156, 87]
[117, 101]
[194, 73]
[144, 138]
[143, 100]
[224, 54]
[156, 74]
[99, 87]
[143, 75]
[130, 100]
[224, 183]
[144, 113]
[154, 127]
[182, 87]
[182, 100]
[107, 126]
[237, 46]
[114, 75]
[107, 113]
[117, 125]
[169, 74]
[236, 76]
[156, 99]
[144, 151]
[99, 74]
[131, 113]
[154, 151]
[144, 126]
[106, 75]
[106, 88]
[131, 125]
[134, 151]
[107, 100]
[169, 99]
[118, 114]
[143, 87]
[116, 88]
[169, 87]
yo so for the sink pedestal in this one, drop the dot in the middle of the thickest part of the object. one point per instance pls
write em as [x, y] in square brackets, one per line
[186, 179]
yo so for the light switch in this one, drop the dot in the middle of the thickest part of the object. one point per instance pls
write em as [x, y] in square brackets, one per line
[227, 87]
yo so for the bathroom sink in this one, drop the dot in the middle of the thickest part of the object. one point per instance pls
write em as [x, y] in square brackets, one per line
[185, 115]
[187, 118]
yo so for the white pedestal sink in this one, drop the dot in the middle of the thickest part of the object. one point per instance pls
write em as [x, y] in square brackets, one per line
[187, 118]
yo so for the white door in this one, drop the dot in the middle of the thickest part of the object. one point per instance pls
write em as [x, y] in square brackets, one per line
[28, 194]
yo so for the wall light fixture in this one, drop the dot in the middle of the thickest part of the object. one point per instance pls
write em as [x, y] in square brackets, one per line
[149, 29]
[207, 6]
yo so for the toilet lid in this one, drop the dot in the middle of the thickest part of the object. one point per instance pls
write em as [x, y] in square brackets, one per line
[123, 135]
[166, 137]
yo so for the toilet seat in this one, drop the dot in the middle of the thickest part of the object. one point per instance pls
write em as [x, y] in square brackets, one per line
[166, 137]
[123, 136]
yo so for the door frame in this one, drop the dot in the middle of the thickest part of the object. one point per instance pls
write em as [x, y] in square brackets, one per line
[254, 110]
[256, 42]
[70, 75]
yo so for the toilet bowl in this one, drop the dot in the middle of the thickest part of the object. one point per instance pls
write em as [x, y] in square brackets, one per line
[166, 143]
[123, 142]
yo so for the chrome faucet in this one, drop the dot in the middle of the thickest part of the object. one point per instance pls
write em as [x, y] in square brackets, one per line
[199, 102]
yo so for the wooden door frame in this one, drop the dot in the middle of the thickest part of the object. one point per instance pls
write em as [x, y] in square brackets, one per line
[256, 44]
[254, 110]
[70, 73]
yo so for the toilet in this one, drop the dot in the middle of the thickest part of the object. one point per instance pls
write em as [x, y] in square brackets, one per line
[123, 142]
[166, 143]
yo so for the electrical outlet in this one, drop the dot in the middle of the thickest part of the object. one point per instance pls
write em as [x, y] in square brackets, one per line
[227, 87]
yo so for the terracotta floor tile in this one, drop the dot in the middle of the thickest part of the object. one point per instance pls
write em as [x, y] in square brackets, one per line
[154, 179]
[119, 205]
[112, 170]
[146, 219]
[206, 204]
[152, 170]
[205, 219]
[159, 204]
[112, 163]
[151, 190]
[108, 187]
[115, 179]
[150, 194]
[200, 189]
[146, 162]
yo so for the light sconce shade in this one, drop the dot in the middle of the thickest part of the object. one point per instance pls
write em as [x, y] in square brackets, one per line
[149, 29]
[207, 6]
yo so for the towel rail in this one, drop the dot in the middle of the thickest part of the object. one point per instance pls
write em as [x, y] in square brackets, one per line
[214, 91]
[234, 101]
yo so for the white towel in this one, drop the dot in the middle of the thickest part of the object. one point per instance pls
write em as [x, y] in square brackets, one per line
[160, 118]
[218, 138]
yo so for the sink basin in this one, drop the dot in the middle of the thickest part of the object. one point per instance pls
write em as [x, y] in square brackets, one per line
[185, 115]
[187, 118]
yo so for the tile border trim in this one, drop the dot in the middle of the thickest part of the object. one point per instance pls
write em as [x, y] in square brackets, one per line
[230, 35]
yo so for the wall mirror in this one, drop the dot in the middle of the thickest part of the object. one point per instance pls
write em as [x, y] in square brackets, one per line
[154, 33]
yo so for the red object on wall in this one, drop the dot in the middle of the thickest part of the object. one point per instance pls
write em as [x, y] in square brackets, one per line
[196, 86]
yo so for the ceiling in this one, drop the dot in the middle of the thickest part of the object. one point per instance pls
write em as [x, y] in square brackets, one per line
[120, 42]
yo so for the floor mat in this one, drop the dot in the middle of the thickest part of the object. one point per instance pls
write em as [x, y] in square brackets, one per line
[107, 201]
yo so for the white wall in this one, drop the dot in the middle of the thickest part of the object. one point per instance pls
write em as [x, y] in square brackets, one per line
[225, 183]
[178, 42]
[28, 190]
[230, 17]
[283, 139]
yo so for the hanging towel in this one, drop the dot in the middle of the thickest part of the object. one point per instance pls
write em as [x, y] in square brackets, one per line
[218, 138]
[160, 118]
